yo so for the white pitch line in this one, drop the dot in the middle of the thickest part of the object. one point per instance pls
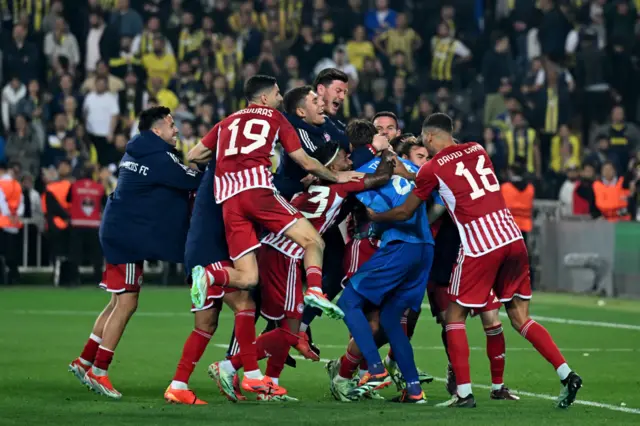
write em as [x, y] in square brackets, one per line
[573, 321]
[509, 349]
[523, 393]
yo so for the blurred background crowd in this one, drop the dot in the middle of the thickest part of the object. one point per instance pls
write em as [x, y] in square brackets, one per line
[549, 87]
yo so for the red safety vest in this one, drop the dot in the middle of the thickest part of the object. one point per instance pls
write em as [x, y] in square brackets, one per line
[86, 204]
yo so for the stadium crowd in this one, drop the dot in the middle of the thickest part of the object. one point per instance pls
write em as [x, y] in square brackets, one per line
[547, 86]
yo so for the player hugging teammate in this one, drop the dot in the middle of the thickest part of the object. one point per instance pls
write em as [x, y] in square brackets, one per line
[243, 231]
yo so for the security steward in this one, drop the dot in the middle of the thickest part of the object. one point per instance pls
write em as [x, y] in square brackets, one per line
[86, 199]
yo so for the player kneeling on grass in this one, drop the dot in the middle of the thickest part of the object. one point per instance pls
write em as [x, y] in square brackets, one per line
[206, 248]
[280, 264]
[146, 218]
[493, 256]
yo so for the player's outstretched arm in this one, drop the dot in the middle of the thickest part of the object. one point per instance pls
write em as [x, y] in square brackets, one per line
[199, 154]
[435, 211]
[316, 168]
[400, 213]
[383, 173]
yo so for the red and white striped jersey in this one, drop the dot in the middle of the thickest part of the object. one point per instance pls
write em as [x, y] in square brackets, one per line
[463, 175]
[244, 143]
[321, 206]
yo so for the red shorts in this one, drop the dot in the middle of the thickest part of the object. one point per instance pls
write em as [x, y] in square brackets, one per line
[251, 209]
[215, 291]
[280, 284]
[492, 304]
[125, 277]
[356, 253]
[505, 270]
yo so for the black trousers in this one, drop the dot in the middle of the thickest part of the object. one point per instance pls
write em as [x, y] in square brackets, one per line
[58, 244]
[10, 253]
[85, 245]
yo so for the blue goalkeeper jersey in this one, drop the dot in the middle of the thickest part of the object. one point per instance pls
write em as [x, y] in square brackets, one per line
[413, 230]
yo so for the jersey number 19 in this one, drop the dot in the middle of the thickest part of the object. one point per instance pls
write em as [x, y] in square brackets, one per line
[249, 132]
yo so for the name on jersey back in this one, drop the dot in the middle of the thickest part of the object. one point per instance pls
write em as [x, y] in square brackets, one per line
[260, 111]
[449, 157]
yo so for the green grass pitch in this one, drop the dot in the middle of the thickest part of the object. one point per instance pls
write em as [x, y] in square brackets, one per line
[42, 330]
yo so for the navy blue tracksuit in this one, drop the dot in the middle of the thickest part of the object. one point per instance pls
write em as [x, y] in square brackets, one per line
[147, 216]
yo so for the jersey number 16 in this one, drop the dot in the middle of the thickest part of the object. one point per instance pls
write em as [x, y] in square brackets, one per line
[481, 171]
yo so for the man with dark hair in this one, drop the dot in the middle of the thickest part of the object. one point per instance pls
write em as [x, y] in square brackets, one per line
[331, 85]
[493, 257]
[386, 123]
[244, 186]
[146, 218]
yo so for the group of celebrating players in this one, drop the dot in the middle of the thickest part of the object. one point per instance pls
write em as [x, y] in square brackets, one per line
[249, 239]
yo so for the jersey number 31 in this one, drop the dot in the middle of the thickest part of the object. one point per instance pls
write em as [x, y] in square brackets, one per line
[483, 172]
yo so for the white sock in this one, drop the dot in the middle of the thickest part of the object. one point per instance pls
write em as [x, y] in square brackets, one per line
[563, 371]
[464, 390]
[85, 362]
[362, 372]
[255, 374]
[275, 380]
[95, 338]
[496, 387]
[98, 371]
[227, 366]
[175, 384]
[303, 327]
[389, 361]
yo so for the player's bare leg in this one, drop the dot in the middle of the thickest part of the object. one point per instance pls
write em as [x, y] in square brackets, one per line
[97, 378]
[205, 325]
[305, 235]
[243, 275]
[223, 372]
[458, 349]
[496, 352]
[539, 337]
[84, 362]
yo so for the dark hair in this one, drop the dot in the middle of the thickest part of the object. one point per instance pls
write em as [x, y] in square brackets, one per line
[258, 84]
[360, 132]
[3, 165]
[328, 76]
[326, 153]
[103, 78]
[386, 114]
[149, 116]
[294, 97]
[88, 171]
[399, 140]
[439, 121]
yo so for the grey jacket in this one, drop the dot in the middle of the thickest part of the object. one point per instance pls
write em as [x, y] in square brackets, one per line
[25, 151]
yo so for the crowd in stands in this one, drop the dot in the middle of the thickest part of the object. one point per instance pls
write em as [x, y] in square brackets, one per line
[549, 85]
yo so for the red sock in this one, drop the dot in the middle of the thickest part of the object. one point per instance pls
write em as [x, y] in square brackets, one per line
[348, 365]
[314, 277]
[364, 365]
[459, 351]
[104, 357]
[220, 276]
[91, 348]
[276, 344]
[246, 336]
[192, 351]
[496, 353]
[540, 338]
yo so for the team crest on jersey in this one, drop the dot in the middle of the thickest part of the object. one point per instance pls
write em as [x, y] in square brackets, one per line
[88, 206]
[326, 136]
[300, 308]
